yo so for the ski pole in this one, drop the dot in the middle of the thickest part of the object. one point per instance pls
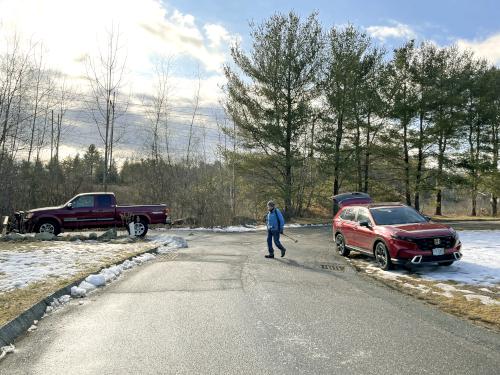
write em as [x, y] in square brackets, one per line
[290, 237]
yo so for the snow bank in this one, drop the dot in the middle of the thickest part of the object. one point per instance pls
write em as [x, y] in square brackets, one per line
[246, 228]
[4, 350]
[57, 303]
[479, 265]
[171, 243]
[108, 275]
[34, 262]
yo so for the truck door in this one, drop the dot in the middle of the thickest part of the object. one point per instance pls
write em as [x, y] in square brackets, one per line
[105, 209]
[82, 211]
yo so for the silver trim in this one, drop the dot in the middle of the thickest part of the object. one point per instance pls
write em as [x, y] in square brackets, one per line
[457, 255]
[361, 250]
[417, 259]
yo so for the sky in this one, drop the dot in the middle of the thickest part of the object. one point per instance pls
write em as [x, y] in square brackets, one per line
[196, 35]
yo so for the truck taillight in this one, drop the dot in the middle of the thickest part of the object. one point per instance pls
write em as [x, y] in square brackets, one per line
[167, 211]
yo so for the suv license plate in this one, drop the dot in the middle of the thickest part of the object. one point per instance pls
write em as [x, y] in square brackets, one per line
[438, 251]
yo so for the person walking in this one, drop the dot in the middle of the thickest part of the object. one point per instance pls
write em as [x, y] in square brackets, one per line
[275, 224]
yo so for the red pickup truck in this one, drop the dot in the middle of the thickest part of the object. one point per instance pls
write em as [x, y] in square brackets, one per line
[94, 210]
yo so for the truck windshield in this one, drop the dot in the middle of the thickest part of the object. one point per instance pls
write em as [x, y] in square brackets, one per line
[396, 215]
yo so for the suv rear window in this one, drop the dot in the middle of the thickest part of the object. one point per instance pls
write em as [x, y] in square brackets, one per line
[348, 214]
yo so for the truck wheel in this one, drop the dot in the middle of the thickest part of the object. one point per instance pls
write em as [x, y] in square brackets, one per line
[140, 227]
[48, 226]
[383, 257]
[340, 245]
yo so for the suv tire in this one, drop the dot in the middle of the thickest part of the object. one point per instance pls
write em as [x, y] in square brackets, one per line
[383, 257]
[340, 245]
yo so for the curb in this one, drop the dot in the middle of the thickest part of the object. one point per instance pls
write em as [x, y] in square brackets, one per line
[18, 326]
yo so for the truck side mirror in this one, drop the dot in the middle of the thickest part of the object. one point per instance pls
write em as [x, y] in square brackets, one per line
[69, 206]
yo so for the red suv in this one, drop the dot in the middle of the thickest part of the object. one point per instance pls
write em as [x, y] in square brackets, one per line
[394, 234]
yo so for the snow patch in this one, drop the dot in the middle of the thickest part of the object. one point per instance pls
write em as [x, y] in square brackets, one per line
[246, 228]
[96, 280]
[480, 264]
[78, 292]
[4, 350]
[485, 300]
[171, 244]
[419, 287]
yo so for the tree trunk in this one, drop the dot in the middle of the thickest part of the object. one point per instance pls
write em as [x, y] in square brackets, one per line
[338, 142]
[359, 173]
[418, 176]
[288, 158]
[439, 177]
[407, 163]
[367, 155]
[494, 197]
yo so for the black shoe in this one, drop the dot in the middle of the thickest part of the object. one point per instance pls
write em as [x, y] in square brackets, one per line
[283, 252]
[269, 256]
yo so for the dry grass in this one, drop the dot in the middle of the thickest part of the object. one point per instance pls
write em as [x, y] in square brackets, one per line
[474, 310]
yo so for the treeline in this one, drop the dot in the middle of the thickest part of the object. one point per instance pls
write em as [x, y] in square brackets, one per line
[197, 193]
[314, 106]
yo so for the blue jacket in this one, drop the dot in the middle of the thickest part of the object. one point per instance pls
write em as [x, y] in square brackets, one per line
[275, 220]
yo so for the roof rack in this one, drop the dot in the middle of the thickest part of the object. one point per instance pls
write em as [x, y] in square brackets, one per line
[383, 204]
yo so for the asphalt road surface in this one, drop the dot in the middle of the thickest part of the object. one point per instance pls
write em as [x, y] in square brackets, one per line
[219, 307]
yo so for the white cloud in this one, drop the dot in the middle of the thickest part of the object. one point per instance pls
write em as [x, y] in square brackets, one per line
[217, 34]
[396, 31]
[71, 30]
[149, 29]
[488, 48]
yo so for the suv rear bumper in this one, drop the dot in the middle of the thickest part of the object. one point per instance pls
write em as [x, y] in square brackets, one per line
[428, 259]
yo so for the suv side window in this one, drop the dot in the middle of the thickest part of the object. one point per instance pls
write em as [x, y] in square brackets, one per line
[363, 215]
[85, 201]
[104, 201]
[348, 214]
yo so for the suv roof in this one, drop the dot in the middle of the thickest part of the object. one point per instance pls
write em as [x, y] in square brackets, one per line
[378, 205]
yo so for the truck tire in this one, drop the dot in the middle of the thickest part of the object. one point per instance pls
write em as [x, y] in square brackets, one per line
[50, 226]
[141, 227]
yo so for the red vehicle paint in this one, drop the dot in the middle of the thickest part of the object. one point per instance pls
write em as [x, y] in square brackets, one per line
[394, 234]
[94, 210]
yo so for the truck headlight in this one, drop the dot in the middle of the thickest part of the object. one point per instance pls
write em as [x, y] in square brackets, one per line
[29, 215]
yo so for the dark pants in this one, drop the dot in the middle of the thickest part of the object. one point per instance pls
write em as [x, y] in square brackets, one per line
[276, 236]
